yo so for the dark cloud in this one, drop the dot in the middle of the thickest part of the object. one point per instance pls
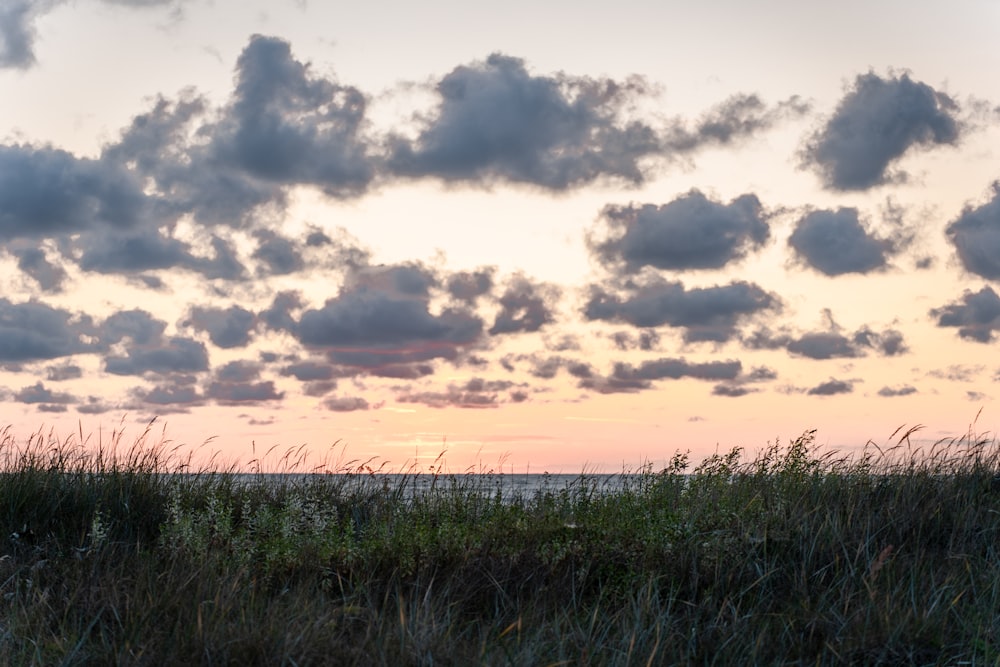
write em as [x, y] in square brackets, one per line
[402, 371]
[976, 235]
[286, 125]
[345, 403]
[829, 344]
[17, 29]
[836, 242]
[169, 394]
[877, 121]
[732, 390]
[647, 340]
[705, 313]
[976, 315]
[38, 393]
[279, 255]
[141, 251]
[736, 118]
[497, 122]
[33, 262]
[279, 315]
[691, 232]
[467, 286]
[237, 393]
[525, 307]
[63, 372]
[308, 371]
[227, 328]
[176, 354]
[957, 373]
[370, 328]
[94, 405]
[476, 393]
[33, 331]
[238, 371]
[889, 392]
[831, 387]
[46, 192]
[17, 33]
[138, 325]
[627, 378]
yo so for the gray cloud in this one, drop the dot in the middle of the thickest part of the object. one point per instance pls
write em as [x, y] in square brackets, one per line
[829, 344]
[308, 371]
[227, 328]
[836, 242]
[33, 262]
[278, 254]
[239, 393]
[38, 393]
[647, 340]
[732, 390]
[705, 314]
[691, 232]
[345, 403]
[171, 394]
[176, 354]
[497, 122]
[65, 371]
[877, 121]
[976, 235]
[889, 392]
[138, 325]
[17, 29]
[238, 371]
[525, 306]
[627, 378]
[476, 393]
[976, 315]
[736, 118]
[831, 387]
[151, 251]
[33, 331]
[467, 286]
[285, 125]
[46, 192]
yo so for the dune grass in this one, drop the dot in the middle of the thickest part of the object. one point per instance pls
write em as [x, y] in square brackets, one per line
[123, 555]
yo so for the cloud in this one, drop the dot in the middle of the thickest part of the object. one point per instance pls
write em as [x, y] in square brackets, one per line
[175, 354]
[976, 235]
[227, 328]
[38, 393]
[627, 378]
[240, 393]
[278, 254]
[831, 387]
[875, 124]
[61, 372]
[690, 232]
[890, 392]
[732, 391]
[976, 315]
[169, 394]
[345, 403]
[836, 242]
[648, 339]
[525, 306]
[47, 192]
[829, 344]
[476, 393]
[17, 29]
[238, 371]
[308, 371]
[33, 331]
[705, 313]
[136, 324]
[285, 125]
[17, 33]
[468, 286]
[736, 118]
[495, 121]
[32, 261]
[152, 251]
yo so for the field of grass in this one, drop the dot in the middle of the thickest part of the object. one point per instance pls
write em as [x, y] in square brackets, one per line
[786, 557]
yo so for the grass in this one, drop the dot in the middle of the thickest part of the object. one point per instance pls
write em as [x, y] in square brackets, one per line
[125, 556]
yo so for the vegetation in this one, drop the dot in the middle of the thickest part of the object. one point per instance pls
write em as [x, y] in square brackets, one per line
[124, 556]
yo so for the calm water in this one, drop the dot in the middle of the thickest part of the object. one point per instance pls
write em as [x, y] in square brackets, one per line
[509, 485]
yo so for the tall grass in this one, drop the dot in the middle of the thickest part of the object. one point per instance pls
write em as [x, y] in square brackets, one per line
[124, 555]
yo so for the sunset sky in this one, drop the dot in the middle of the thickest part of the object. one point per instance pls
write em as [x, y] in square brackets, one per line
[555, 235]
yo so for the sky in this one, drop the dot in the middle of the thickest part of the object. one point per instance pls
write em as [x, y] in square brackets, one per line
[556, 236]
